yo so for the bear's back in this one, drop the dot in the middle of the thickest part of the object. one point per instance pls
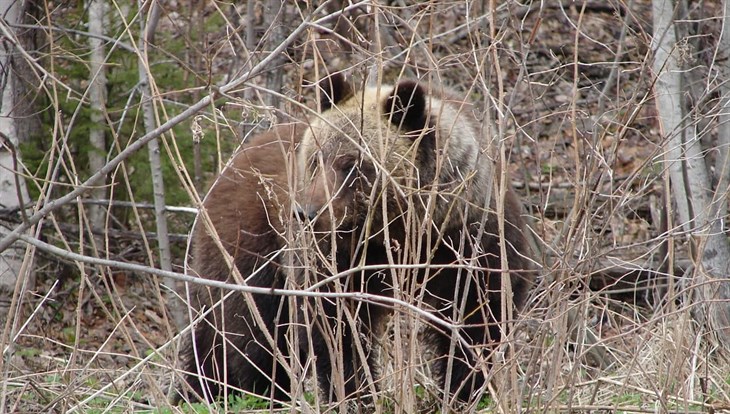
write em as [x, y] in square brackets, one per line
[247, 204]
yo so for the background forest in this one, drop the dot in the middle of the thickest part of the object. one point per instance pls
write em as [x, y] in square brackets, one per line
[613, 117]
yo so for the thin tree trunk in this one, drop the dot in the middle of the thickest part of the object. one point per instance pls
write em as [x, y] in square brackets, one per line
[153, 150]
[248, 94]
[690, 181]
[722, 59]
[668, 102]
[153, 146]
[97, 100]
[13, 193]
[275, 76]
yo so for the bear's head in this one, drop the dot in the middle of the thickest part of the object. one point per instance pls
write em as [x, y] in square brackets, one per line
[381, 152]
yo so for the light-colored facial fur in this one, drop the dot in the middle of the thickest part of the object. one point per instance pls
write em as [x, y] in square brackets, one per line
[454, 166]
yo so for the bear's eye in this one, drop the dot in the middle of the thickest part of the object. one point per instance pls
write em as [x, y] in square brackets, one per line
[354, 171]
[345, 164]
[347, 167]
[315, 160]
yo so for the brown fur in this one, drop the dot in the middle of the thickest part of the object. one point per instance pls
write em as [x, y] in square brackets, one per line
[248, 205]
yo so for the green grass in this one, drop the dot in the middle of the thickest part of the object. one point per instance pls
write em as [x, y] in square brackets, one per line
[238, 403]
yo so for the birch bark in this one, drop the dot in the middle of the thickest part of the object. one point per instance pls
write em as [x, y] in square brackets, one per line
[699, 208]
[97, 101]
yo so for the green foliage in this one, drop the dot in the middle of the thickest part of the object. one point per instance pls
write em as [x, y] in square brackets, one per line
[243, 403]
[67, 118]
[547, 168]
[69, 334]
[486, 402]
[28, 352]
[627, 399]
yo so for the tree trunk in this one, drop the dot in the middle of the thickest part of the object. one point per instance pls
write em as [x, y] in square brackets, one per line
[16, 259]
[153, 151]
[690, 180]
[97, 101]
[13, 192]
[275, 17]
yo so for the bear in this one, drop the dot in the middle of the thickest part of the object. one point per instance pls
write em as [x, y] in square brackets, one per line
[388, 193]
[246, 206]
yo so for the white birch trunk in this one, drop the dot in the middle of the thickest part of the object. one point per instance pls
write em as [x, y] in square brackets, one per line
[97, 100]
[13, 192]
[153, 151]
[691, 186]
[668, 102]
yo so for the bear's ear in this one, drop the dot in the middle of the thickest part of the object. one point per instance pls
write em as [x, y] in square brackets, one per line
[406, 106]
[333, 89]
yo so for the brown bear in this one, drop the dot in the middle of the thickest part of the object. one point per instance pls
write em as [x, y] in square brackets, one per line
[392, 184]
[248, 206]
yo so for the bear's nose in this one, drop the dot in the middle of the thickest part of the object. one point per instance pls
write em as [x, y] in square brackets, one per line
[305, 214]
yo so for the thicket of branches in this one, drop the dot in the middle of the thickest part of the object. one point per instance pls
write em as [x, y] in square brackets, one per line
[612, 117]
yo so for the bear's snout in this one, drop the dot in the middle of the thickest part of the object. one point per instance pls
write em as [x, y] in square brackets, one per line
[315, 195]
[306, 213]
